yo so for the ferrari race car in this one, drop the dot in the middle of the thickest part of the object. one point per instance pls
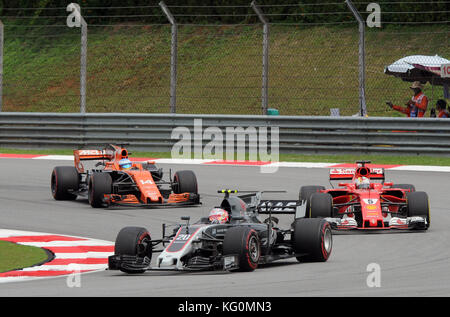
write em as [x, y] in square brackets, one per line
[231, 238]
[121, 182]
[367, 201]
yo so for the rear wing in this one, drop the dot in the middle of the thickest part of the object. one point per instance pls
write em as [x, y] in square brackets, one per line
[278, 206]
[110, 153]
[269, 207]
[283, 207]
[87, 155]
[347, 173]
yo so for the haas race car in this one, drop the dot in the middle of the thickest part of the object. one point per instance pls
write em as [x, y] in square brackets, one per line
[231, 238]
[366, 201]
[116, 180]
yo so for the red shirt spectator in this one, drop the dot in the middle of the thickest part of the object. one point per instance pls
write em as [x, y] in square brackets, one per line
[441, 107]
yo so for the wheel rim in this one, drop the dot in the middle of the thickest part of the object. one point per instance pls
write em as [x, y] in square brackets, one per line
[143, 246]
[53, 184]
[327, 240]
[176, 187]
[253, 249]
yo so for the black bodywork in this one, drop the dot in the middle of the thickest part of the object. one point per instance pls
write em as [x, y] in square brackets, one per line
[275, 243]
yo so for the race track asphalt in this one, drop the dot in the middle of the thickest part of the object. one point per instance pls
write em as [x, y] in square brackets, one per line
[411, 263]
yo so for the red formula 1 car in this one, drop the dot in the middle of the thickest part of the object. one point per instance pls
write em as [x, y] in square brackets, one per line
[118, 181]
[367, 201]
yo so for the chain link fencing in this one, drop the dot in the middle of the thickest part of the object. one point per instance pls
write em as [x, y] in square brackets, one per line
[306, 62]
[387, 47]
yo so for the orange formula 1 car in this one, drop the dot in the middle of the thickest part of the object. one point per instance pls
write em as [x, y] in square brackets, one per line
[118, 181]
[366, 201]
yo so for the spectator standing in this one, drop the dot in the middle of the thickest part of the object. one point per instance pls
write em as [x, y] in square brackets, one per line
[441, 108]
[417, 106]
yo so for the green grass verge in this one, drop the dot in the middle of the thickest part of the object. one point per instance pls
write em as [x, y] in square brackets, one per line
[342, 158]
[15, 256]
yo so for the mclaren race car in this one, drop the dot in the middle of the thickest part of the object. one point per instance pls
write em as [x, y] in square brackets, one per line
[116, 180]
[366, 201]
[231, 238]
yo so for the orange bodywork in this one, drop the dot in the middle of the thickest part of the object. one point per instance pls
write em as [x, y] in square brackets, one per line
[113, 155]
[148, 189]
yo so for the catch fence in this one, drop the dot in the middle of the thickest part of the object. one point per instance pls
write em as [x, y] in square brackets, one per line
[310, 59]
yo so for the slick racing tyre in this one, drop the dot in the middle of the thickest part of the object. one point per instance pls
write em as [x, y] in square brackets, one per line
[185, 182]
[312, 239]
[306, 192]
[100, 184]
[418, 206]
[244, 242]
[63, 180]
[321, 206]
[134, 241]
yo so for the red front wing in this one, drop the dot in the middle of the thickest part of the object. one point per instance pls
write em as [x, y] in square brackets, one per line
[370, 207]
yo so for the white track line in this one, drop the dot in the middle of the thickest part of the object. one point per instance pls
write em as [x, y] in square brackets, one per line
[84, 255]
[67, 243]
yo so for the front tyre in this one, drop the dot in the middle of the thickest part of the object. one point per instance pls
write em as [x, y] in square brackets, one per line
[321, 205]
[312, 240]
[418, 206]
[244, 242]
[100, 184]
[134, 241]
[185, 182]
[307, 191]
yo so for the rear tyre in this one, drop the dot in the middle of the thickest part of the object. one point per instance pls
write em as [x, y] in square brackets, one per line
[321, 205]
[100, 184]
[134, 241]
[306, 192]
[185, 182]
[312, 239]
[418, 206]
[63, 180]
[244, 242]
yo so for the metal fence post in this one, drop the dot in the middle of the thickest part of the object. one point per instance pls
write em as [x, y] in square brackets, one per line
[362, 55]
[1, 64]
[173, 57]
[83, 66]
[75, 19]
[265, 71]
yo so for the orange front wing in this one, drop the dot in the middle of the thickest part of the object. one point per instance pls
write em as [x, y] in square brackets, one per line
[173, 200]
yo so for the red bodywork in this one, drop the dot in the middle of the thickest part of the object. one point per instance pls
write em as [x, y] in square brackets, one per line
[148, 188]
[373, 204]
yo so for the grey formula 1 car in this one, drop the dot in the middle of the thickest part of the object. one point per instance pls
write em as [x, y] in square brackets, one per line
[241, 244]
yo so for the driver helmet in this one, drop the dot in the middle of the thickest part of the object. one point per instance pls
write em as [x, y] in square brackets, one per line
[125, 164]
[362, 183]
[218, 215]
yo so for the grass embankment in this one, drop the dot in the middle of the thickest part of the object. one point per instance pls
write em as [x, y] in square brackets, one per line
[376, 159]
[311, 69]
[15, 256]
